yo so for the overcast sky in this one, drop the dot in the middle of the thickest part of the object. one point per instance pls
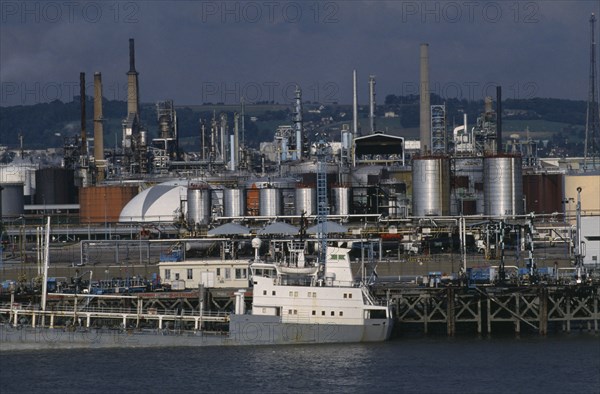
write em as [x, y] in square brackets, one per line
[205, 51]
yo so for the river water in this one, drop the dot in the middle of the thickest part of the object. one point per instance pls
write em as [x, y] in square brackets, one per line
[554, 364]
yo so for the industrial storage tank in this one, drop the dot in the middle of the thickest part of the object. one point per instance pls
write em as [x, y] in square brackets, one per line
[341, 200]
[55, 186]
[198, 204]
[234, 202]
[431, 186]
[252, 200]
[20, 172]
[103, 204]
[306, 201]
[543, 193]
[270, 201]
[502, 185]
[13, 201]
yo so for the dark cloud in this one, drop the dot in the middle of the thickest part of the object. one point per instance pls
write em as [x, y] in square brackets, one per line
[196, 52]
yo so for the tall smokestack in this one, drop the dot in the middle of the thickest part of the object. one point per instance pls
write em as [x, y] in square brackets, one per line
[132, 82]
[498, 119]
[82, 104]
[298, 125]
[372, 103]
[354, 106]
[425, 116]
[98, 126]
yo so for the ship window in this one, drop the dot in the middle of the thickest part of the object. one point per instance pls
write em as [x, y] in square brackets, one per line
[240, 273]
[190, 273]
[177, 276]
[218, 271]
[167, 274]
[274, 292]
[314, 313]
[345, 295]
[322, 313]
[350, 295]
[227, 273]
[264, 292]
[309, 294]
[295, 294]
[289, 311]
[291, 293]
[315, 294]
[341, 313]
[295, 311]
[332, 313]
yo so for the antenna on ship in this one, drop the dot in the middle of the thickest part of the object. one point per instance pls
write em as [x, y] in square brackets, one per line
[322, 206]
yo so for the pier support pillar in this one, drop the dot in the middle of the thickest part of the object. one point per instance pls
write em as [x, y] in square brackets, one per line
[33, 319]
[517, 313]
[87, 320]
[160, 322]
[489, 316]
[568, 315]
[16, 315]
[543, 313]
[450, 312]
[196, 323]
[479, 317]
[596, 313]
[124, 321]
[52, 321]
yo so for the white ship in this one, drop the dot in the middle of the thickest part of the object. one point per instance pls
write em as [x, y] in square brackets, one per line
[297, 302]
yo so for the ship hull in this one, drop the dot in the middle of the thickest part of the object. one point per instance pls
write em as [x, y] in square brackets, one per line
[243, 330]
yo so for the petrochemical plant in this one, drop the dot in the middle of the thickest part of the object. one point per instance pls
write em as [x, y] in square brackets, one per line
[450, 183]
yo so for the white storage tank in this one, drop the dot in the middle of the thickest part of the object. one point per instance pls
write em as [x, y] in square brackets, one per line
[198, 204]
[306, 201]
[431, 186]
[502, 185]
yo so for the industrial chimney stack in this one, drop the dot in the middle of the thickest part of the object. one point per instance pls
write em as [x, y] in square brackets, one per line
[425, 116]
[132, 82]
[82, 105]
[98, 126]
[354, 106]
[372, 103]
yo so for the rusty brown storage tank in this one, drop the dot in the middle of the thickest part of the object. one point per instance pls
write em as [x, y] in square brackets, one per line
[100, 204]
[543, 192]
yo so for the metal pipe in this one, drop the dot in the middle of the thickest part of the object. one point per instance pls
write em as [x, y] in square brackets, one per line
[82, 106]
[372, 103]
[98, 126]
[498, 119]
[354, 106]
[425, 105]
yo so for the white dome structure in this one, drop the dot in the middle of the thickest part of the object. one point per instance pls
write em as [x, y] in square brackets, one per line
[159, 203]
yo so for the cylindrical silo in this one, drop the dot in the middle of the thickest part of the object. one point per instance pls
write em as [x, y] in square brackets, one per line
[306, 201]
[234, 202]
[431, 186]
[198, 204]
[270, 201]
[341, 200]
[13, 203]
[502, 186]
[55, 186]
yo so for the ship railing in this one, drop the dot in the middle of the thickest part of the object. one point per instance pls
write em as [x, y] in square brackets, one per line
[114, 310]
